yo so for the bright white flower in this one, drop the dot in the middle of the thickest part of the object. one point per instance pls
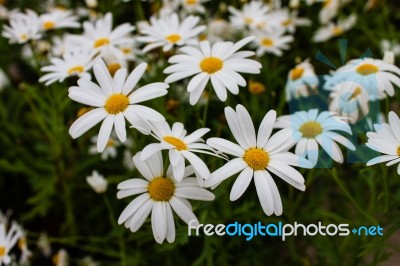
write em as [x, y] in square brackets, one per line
[302, 81]
[329, 10]
[73, 63]
[375, 75]
[8, 241]
[219, 30]
[97, 182]
[23, 27]
[257, 155]
[393, 46]
[180, 146]
[169, 31]
[100, 34]
[333, 30]
[219, 63]
[272, 42]
[114, 102]
[311, 129]
[252, 15]
[58, 19]
[349, 99]
[160, 194]
[386, 140]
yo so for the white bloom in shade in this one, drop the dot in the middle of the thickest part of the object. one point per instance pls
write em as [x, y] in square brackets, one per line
[272, 42]
[23, 27]
[193, 6]
[97, 182]
[329, 10]
[302, 81]
[61, 258]
[257, 155]
[180, 146]
[91, 3]
[386, 140]
[375, 75]
[349, 99]
[23, 247]
[160, 194]
[169, 31]
[334, 30]
[115, 100]
[110, 151]
[387, 45]
[388, 57]
[4, 81]
[219, 63]
[100, 34]
[44, 245]
[219, 30]
[8, 241]
[58, 19]
[75, 62]
[290, 21]
[311, 129]
[252, 15]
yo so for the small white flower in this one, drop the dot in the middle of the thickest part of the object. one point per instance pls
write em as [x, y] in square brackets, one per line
[219, 63]
[311, 129]
[272, 42]
[349, 99]
[386, 140]
[329, 10]
[257, 156]
[334, 30]
[75, 62]
[219, 30]
[160, 194]
[23, 27]
[169, 31]
[58, 19]
[193, 6]
[115, 101]
[61, 258]
[97, 182]
[110, 151]
[180, 146]
[8, 241]
[388, 57]
[375, 75]
[393, 46]
[302, 81]
[252, 15]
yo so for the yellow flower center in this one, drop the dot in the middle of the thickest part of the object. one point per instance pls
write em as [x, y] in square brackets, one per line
[256, 158]
[367, 69]
[173, 38]
[356, 92]
[110, 143]
[191, 2]
[202, 37]
[101, 42]
[336, 31]
[256, 87]
[2, 251]
[83, 111]
[161, 189]
[267, 42]
[23, 37]
[47, 25]
[75, 70]
[22, 243]
[56, 259]
[296, 73]
[248, 20]
[126, 50]
[116, 103]
[287, 22]
[398, 151]
[211, 65]
[326, 3]
[177, 143]
[311, 129]
[113, 67]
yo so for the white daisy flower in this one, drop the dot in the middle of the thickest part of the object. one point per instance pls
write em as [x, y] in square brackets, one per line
[219, 30]
[97, 182]
[334, 30]
[58, 19]
[272, 42]
[251, 15]
[349, 99]
[386, 140]
[110, 151]
[328, 11]
[257, 155]
[388, 57]
[290, 21]
[169, 31]
[311, 129]
[160, 194]
[302, 81]
[22, 244]
[61, 258]
[23, 27]
[387, 45]
[219, 63]
[100, 34]
[193, 6]
[114, 102]
[180, 146]
[75, 62]
[375, 75]
[8, 241]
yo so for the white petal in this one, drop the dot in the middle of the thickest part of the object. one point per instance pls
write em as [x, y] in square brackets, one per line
[86, 122]
[226, 146]
[241, 183]
[229, 169]
[194, 193]
[159, 221]
[265, 129]
[264, 193]
[140, 216]
[133, 207]
[120, 129]
[170, 224]
[182, 210]
[246, 125]
[150, 150]
[134, 78]
[199, 166]
[105, 132]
